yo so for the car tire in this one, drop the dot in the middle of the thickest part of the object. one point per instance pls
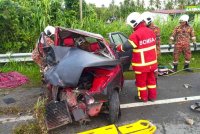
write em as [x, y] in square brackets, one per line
[114, 107]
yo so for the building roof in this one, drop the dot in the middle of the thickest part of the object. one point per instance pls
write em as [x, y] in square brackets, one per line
[173, 11]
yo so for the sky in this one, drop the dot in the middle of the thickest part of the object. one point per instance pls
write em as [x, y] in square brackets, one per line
[106, 3]
[99, 3]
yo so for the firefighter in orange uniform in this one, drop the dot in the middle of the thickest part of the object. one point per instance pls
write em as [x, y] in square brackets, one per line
[37, 54]
[182, 35]
[144, 59]
[149, 23]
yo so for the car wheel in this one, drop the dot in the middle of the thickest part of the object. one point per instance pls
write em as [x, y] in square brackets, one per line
[114, 107]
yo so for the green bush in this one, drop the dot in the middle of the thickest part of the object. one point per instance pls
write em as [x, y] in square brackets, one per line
[14, 36]
[22, 21]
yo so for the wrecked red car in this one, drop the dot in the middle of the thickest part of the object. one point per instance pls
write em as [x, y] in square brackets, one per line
[84, 75]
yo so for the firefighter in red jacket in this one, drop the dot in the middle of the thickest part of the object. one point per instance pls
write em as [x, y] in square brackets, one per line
[144, 59]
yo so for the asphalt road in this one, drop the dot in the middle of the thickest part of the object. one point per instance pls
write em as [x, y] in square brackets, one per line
[169, 118]
[168, 113]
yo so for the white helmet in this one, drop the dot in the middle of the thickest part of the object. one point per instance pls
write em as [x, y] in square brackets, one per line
[147, 17]
[133, 19]
[49, 30]
[184, 18]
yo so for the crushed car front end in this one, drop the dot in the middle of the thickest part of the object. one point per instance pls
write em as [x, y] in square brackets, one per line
[86, 78]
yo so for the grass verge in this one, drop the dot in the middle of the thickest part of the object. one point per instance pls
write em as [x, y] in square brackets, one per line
[28, 128]
[39, 113]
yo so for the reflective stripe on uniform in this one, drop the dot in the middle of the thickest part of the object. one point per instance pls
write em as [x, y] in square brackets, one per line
[144, 64]
[136, 72]
[141, 88]
[151, 86]
[132, 43]
[144, 49]
[142, 56]
[139, 94]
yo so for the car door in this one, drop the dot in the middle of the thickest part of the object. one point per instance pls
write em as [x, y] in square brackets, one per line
[117, 38]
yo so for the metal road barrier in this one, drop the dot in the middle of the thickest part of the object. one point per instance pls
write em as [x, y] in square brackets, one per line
[27, 56]
[164, 48]
[15, 57]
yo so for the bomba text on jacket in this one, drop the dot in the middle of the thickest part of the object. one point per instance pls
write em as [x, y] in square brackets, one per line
[147, 41]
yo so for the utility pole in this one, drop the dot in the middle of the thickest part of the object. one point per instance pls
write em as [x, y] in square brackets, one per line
[81, 9]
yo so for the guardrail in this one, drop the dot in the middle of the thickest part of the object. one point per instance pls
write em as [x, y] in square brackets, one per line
[164, 48]
[27, 56]
[15, 57]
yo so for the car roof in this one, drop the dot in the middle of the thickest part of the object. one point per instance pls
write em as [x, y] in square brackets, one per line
[64, 32]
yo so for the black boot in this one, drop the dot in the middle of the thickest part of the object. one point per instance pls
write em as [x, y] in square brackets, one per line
[175, 67]
[187, 69]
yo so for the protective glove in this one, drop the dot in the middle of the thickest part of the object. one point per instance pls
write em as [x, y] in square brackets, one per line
[170, 47]
[195, 46]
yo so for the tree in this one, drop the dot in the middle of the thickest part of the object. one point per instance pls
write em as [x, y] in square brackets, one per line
[14, 26]
[112, 8]
[151, 3]
[158, 4]
[127, 7]
[181, 4]
[175, 2]
[195, 2]
[169, 5]
[138, 2]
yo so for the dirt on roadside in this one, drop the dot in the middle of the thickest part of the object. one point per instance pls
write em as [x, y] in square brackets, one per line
[18, 101]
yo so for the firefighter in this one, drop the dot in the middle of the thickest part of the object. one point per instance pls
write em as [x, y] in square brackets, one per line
[38, 52]
[149, 23]
[144, 59]
[37, 56]
[182, 35]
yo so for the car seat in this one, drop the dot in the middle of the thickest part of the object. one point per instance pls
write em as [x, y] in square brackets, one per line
[68, 42]
[94, 47]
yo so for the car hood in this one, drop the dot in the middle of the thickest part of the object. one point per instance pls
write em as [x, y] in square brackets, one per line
[70, 64]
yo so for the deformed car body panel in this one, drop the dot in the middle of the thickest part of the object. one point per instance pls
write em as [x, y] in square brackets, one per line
[84, 75]
[70, 64]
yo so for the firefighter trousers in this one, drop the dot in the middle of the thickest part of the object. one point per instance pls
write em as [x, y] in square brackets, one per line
[146, 85]
[182, 48]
